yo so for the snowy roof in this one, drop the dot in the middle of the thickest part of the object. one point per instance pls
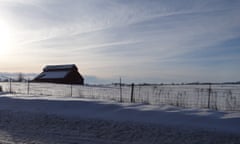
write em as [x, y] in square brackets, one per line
[59, 67]
[53, 75]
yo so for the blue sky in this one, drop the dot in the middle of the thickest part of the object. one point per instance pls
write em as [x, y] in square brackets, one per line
[139, 40]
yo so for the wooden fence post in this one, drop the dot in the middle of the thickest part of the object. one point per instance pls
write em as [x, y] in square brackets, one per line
[209, 95]
[71, 90]
[10, 86]
[132, 92]
[121, 100]
[28, 87]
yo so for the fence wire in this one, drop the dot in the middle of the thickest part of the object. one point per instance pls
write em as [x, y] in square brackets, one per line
[217, 97]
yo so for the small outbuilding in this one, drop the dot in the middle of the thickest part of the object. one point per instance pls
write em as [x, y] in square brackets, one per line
[64, 74]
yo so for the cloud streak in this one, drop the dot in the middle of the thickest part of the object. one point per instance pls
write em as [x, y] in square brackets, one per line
[154, 40]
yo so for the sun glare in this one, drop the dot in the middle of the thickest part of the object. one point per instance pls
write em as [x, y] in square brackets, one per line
[5, 39]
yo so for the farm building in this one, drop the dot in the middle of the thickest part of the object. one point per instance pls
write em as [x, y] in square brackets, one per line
[65, 74]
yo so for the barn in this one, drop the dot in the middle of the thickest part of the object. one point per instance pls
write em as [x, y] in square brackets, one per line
[64, 74]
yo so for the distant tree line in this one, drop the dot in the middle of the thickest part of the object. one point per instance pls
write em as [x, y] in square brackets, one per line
[19, 78]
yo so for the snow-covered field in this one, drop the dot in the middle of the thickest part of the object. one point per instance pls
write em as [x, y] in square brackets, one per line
[217, 97]
[54, 119]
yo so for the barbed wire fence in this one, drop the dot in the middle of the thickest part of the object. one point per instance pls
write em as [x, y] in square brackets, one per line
[217, 97]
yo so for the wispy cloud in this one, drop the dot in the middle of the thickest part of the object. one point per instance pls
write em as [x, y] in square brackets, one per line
[156, 40]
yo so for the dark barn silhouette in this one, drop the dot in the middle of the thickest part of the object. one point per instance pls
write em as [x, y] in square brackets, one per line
[64, 74]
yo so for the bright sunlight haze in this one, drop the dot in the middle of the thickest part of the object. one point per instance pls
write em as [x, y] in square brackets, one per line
[5, 39]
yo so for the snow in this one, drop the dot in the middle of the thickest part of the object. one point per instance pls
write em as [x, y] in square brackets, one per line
[53, 74]
[55, 119]
[54, 113]
[19, 127]
[220, 97]
[108, 110]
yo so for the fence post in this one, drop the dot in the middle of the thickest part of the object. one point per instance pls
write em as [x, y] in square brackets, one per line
[10, 86]
[28, 87]
[71, 89]
[121, 100]
[209, 95]
[132, 92]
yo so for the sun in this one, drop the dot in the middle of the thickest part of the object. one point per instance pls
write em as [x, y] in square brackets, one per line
[5, 38]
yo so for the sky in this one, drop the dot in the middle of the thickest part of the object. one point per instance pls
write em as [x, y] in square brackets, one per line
[155, 41]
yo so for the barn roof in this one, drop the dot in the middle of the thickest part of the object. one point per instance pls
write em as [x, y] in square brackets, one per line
[59, 67]
[53, 75]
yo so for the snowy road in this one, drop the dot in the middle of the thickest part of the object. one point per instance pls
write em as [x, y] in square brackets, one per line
[41, 120]
[22, 127]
